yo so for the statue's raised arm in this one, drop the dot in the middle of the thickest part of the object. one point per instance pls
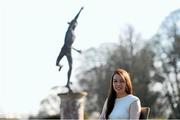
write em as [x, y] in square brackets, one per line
[76, 17]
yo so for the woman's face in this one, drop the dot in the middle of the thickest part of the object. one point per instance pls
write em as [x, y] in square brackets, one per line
[119, 84]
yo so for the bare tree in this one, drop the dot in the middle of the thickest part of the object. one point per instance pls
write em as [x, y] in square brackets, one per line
[167, 49]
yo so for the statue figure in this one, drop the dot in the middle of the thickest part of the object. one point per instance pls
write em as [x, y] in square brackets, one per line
[66, 48]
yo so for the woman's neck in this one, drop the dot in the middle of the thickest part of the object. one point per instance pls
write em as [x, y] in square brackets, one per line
[120, 95]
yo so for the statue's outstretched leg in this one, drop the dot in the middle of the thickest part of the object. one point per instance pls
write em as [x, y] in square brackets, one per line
[69, 58]
[61, 54]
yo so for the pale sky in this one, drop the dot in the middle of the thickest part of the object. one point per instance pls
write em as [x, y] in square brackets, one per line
[32, 34]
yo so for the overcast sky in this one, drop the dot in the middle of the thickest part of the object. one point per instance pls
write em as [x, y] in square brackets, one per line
[32, 34]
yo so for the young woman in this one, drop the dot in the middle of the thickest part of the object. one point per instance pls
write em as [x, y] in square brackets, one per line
[121, 103]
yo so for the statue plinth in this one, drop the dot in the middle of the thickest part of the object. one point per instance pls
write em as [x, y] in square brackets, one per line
[72, 105]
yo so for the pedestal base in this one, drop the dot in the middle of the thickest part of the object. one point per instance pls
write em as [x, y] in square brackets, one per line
[72, 105]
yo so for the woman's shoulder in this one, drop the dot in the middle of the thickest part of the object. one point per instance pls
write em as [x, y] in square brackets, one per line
[133, 97]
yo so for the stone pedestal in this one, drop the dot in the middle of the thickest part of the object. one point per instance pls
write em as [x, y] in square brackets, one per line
[72, 105]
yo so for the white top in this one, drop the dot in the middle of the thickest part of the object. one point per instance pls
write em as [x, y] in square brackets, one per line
[127, 107]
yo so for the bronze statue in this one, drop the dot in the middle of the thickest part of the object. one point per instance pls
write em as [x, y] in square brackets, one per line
[66, 48]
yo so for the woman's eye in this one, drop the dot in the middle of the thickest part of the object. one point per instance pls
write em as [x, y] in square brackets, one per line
[115, 81]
